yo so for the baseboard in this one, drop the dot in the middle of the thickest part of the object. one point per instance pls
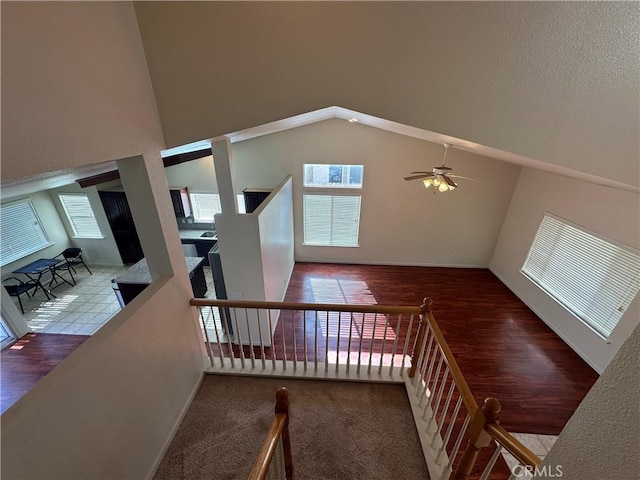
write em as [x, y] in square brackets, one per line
[548, 323]
[175, 427]
[399, 264]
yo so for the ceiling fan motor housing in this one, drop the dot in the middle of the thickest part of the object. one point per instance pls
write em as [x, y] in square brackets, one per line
[441, 170]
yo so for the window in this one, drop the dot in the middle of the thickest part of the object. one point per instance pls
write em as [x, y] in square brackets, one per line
[21, 232]
[240, 202]
[205, 206]
[593, 278]
[80, 215]
[332, 220]
[333, 176]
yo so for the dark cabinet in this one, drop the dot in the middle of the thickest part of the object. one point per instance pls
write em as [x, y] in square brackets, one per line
[198, 282]
[253, 197]
[202, 249]
[123, 228]
[180, 201]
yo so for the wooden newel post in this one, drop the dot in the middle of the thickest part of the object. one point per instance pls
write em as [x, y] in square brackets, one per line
[282, 406]
[422, 327]
[478, 437]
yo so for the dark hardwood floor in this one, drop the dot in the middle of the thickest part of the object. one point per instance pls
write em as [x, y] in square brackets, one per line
[28, 360]
[503, 349]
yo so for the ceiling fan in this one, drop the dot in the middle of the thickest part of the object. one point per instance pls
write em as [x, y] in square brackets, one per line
[440, 177]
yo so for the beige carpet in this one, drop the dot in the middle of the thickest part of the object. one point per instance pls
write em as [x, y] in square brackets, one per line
[339, 430]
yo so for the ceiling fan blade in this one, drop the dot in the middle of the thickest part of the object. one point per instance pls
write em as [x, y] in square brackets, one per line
[450, 182]
[422, 172]
[416, 177]
[468, 178]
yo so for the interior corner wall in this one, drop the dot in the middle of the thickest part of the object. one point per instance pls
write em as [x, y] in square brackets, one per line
[607, 211]
[275, 222]
[400, 222]
[95, 251]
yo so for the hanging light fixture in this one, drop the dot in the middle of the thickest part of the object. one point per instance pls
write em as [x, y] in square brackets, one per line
[440, 180]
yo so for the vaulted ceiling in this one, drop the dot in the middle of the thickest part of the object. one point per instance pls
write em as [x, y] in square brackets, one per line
[546, 82]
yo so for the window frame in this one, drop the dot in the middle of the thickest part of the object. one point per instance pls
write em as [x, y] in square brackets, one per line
[46, 241]
[332, 190]
[194, 207]
[70, 218]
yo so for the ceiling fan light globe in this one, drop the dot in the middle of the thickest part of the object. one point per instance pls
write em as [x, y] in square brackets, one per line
[427, 182]
[443, 187]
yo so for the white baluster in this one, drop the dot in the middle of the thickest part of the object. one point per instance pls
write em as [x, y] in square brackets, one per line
[456, 446]
[406, 345]
[206, 337]
[251, 352]
[395, 343]
[261, 342]
[273, 349]
[372, 344]
[447, 435]
[492, 462]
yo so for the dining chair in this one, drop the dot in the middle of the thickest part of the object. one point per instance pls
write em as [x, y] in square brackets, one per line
[17, 289]
[69, 259]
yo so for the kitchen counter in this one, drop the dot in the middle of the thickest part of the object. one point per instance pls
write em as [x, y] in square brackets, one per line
[129, 285]
[139, 272]
[196, 235]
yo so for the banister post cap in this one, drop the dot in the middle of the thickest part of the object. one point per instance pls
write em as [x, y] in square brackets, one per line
[491, 408]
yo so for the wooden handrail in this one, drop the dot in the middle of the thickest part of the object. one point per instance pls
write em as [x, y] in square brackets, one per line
[320, 307]
[279, 430]
[512, 445]
[465, 392]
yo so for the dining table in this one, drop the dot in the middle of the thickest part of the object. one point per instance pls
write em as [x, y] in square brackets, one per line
[35, 270]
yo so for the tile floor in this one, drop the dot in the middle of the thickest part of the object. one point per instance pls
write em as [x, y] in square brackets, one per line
[84, 308]
[538, 444]
[81, 309]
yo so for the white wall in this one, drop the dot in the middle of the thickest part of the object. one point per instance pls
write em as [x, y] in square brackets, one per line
[609, 212]
[275, 223]
[198, 175]
[76, 91]
[95, 251]
[553, 81]
[601, 439]
[401, 222]
[256, 250]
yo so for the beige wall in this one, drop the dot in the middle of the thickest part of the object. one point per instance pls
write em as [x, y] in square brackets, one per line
[401, 222]
[609, 212]
[553, 81]
[75, 87]
[601, 438]
[76, 91]
[198, 175]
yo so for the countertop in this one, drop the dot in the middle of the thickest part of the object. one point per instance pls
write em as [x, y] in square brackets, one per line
[139, 272]
[195, 235]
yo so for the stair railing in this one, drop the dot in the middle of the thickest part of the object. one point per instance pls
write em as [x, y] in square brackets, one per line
[274, 459]
[460, 439]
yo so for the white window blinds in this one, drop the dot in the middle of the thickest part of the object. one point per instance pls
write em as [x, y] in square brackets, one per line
[80, 215]
[331, 220]
[21, 232]
[205, 206]
[593, 278]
